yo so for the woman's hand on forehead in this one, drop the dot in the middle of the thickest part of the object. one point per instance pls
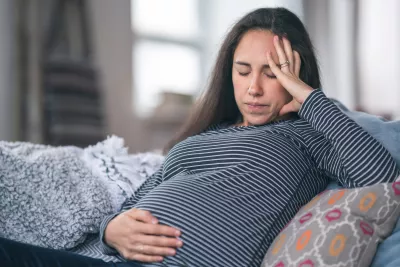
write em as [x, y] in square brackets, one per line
[287, 72]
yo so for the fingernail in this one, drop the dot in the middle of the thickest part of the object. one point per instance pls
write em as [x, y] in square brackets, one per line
[171, 252]
[154, 221]
[160, 259]
[177, 232]
[179, 243]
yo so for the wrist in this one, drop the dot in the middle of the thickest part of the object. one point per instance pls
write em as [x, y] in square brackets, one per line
[305, 95]
[108, 235]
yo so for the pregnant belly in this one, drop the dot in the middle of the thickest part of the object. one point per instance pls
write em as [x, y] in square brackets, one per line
[216, 226]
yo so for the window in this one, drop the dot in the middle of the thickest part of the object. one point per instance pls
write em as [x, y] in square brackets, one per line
[166, 50]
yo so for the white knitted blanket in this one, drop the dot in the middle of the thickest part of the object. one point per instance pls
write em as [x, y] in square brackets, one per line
[56, 197]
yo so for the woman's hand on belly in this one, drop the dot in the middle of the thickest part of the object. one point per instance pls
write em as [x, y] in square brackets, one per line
[136, 235]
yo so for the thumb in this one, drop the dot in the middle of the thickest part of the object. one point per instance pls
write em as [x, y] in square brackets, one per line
[142, 216]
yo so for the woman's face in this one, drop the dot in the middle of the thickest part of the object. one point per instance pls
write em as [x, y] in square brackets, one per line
[258, 94]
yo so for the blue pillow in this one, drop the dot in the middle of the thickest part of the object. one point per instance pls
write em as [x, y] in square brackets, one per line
[333, 185]
[388, 252]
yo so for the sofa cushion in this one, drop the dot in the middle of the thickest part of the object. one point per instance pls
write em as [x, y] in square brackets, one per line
[338, 226]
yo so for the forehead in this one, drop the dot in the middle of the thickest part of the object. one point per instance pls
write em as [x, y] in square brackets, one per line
[254, 45]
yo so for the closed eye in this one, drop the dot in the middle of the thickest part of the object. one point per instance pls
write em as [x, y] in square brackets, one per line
[244, 73]
[270, 76]
[268, 72]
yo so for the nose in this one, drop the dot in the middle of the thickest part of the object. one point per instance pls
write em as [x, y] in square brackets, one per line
[255, 88]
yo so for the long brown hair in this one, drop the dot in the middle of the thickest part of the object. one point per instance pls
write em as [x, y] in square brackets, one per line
[217, 103]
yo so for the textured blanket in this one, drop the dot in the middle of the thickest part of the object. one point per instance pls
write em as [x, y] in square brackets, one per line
[56, 196]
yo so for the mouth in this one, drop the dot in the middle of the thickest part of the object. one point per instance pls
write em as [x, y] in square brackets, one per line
[255, 106]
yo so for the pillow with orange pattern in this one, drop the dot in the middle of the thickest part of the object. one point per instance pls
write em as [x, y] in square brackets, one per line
[338, 228]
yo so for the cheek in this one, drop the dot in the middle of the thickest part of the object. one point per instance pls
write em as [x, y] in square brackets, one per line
[276, 89]
[285, 95]
[240, 83]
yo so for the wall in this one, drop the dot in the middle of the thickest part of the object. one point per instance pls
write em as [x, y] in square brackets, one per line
[112, 40]
[7, 127]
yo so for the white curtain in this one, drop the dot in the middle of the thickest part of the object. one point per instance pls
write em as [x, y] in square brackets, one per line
[332, 26]
[379, 56]
[357, 45]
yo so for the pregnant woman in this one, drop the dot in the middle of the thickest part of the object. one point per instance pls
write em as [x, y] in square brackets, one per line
[262, 141]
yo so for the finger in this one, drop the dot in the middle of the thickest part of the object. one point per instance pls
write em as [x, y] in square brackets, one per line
[154, 251]
[287, 80]
[279, 51]
[289, 53]
[142, 216]
[164, 230]
[143, 258]
[272, 65]
[297, 63]
[159, 241]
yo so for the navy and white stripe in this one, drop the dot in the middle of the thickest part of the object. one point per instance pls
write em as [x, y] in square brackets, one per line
[232, 189]
[92, 248]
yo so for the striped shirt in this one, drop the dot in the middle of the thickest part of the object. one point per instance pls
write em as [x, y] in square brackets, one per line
[230, 190]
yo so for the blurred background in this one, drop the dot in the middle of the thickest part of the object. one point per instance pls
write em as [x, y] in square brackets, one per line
[74, 71]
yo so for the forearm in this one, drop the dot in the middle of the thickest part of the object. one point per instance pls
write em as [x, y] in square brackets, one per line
[362, 160]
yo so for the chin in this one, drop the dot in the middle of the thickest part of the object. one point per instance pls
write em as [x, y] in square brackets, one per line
[259, 121]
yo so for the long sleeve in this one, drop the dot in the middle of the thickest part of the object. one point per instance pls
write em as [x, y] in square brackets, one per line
[146, 187]
[341, 148]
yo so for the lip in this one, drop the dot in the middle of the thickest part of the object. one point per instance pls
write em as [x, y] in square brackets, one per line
[255, 106]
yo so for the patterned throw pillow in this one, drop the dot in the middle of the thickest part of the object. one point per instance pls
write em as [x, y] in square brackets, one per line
[338, 228]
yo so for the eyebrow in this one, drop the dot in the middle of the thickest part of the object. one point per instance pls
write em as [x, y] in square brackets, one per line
[265, 66]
